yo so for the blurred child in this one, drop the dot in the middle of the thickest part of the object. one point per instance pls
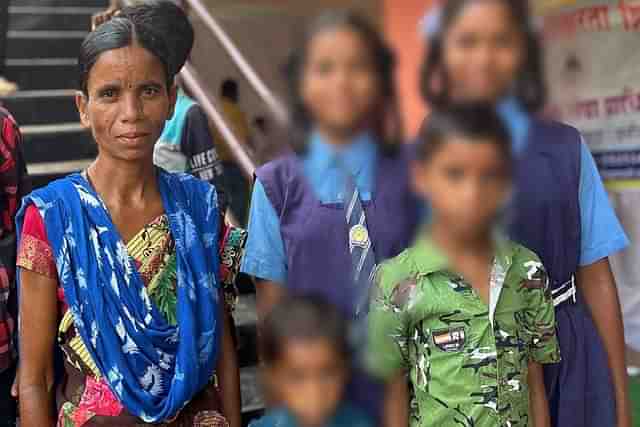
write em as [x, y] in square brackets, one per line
[322, 218]
[489, 51]
[465, 312]
[307, 359]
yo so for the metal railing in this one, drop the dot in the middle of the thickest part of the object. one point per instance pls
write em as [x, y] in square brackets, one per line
[188, 76]
[238, 151]
[277, 109]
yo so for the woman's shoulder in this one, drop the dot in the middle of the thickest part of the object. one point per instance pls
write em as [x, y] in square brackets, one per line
[186, 181]
[56, 190]
[281, 166]
[552, 130]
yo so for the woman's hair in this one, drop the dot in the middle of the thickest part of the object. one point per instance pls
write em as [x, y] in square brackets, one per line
[473, 122]
[160, 27]
[384, 61]
[302, 318]
[530, 85]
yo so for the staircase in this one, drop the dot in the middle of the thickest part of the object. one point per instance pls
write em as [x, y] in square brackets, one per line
[43, 44]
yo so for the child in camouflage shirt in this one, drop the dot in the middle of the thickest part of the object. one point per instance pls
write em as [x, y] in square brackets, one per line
[465, 313]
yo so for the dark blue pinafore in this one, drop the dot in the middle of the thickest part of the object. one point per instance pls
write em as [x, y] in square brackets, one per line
[547, 221]
[315, 237]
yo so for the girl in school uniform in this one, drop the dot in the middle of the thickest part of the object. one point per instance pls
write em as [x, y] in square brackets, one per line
[488, 50]
[323, 217]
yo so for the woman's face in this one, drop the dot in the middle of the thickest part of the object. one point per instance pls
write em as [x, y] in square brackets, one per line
[483, 51]
[128, 103]
[340, 83]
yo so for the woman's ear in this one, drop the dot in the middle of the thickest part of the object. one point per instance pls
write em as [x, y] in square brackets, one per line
[173, 96]
[81, 104]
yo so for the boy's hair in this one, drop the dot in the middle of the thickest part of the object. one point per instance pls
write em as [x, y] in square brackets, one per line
[302, 318]
[529, 86]
[473, 122]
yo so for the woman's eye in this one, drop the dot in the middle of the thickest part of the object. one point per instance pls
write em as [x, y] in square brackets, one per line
[324, 67]
[454, 174]
[108, 93]
[467, 41]
[151, 91]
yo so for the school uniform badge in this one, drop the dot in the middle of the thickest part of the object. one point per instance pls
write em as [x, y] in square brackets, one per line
[449, 340]
[359, 237]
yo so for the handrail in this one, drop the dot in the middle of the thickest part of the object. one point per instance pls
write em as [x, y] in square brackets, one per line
[278, 110]
[190, 80]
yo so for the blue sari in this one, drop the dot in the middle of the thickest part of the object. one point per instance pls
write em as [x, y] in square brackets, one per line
[153, 368]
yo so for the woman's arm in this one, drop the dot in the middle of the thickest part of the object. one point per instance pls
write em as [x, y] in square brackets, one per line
[538, 403]
[268, 293]
[598, 286]
[229, 375]
[396, 402]
[38, 321]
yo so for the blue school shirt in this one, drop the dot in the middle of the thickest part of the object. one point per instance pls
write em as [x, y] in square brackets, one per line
[346, 416]
[265, 256]
[601, 232]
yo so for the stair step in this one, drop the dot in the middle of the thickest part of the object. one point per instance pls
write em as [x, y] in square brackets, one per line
[58, 168]
[42, 106]
[43, 77]
[57, 143]
[44, 44]
[66, 3]
[50, 18]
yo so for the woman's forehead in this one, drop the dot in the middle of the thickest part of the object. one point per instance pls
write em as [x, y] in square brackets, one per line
[128, 64]
[484, 15]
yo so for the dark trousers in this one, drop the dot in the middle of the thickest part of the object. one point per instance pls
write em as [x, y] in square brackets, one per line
[8, 405]
[4, 28]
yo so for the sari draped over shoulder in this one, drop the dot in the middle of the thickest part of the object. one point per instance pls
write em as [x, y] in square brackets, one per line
[141, 322]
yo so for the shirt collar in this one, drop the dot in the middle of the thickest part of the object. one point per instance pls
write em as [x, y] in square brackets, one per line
[361, 151]
[429, 258]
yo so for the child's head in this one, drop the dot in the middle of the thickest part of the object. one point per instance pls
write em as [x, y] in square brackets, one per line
[306, 352]
[341, 77]
[463, 167]
[483, 50]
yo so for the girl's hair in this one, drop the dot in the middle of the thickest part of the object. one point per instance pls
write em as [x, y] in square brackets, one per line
[160, 27]
[302, 318]
[474, 122]
[388, 128]
[529, 87]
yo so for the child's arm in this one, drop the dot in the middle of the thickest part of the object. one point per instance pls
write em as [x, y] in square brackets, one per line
[598, 286]
[396, 402]
[538, 404]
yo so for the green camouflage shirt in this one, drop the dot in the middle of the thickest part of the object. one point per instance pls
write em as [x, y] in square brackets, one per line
[467, 361]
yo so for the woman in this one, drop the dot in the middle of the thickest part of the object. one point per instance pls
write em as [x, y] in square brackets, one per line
[322, 218]
[119, 263]
[487, 50]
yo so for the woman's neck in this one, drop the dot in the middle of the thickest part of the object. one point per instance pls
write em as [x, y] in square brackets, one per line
[121, 181]
[337, 138]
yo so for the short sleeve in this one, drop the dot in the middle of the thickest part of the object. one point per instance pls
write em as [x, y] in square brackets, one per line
[539, 315]
[264, 255]
[34, 251]
[197, 145]
[387, 326]
[601, 232]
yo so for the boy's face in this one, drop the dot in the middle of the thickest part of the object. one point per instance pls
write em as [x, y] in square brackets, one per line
[309, 380]
[465, 183]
